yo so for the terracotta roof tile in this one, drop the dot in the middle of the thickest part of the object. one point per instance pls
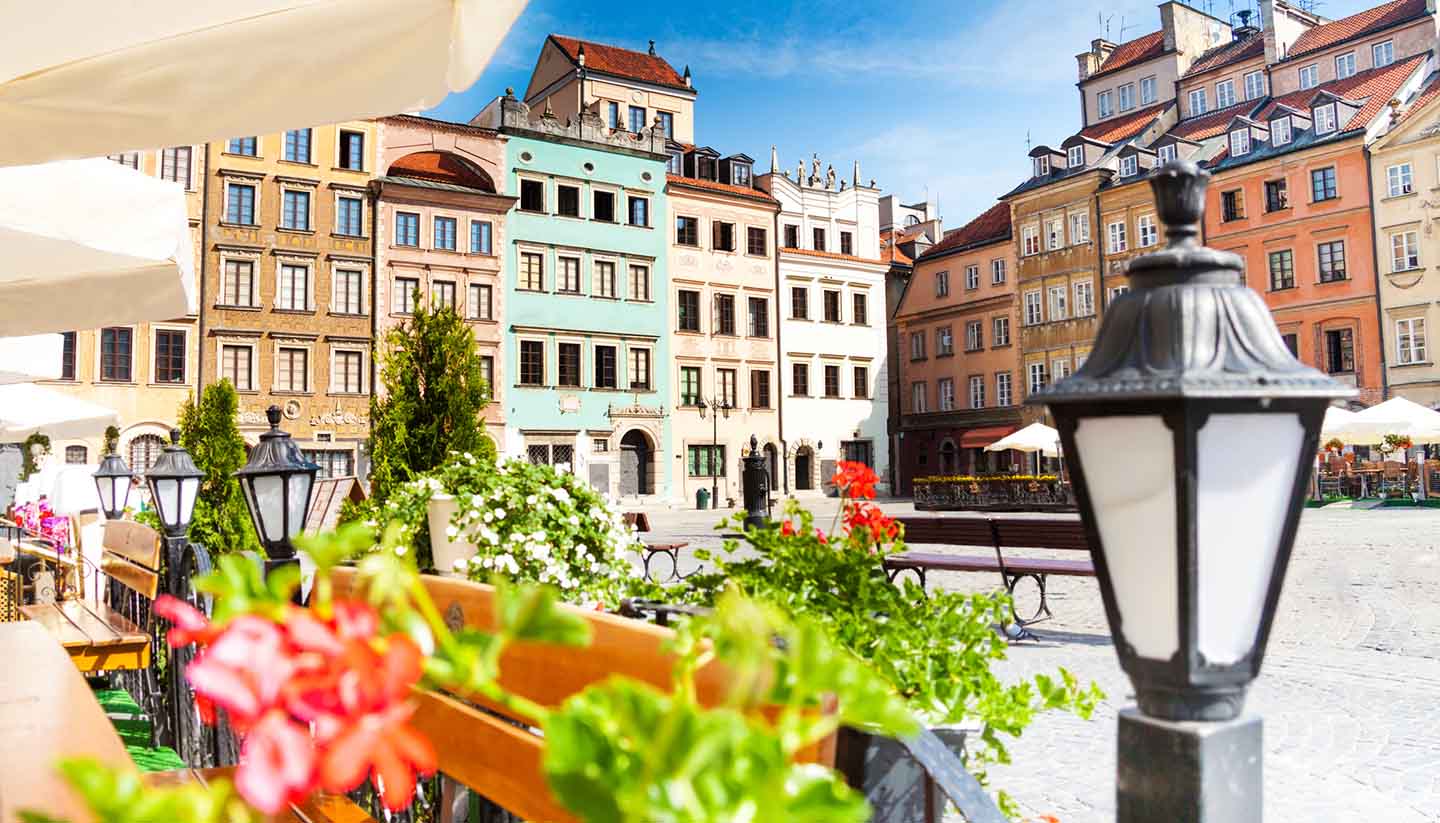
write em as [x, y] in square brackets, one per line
[992, 226]
[442, 167]
[1213, 123]
[828, 254]
[1374, 86]
[613, 60]
[1356, 25]
[891, 241]
[1131, 52]
[724, 188]
[1126, 126]
[1232, 52]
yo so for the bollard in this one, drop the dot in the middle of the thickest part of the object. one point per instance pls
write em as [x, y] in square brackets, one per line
[755, 485]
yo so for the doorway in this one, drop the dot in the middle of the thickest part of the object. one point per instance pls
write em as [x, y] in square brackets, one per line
[636, 464]
[772, 461]
[804, 468]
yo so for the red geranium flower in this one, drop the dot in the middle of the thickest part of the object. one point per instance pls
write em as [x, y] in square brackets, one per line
[277, 763]
[856, 480]
[187, 624]
[380, 743]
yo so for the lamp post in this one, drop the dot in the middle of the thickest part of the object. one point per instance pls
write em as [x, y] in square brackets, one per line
[278, 483]
[1189, 430]
[716, 411]
[112, 481]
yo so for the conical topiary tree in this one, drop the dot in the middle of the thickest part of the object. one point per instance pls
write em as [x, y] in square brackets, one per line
[209, 432]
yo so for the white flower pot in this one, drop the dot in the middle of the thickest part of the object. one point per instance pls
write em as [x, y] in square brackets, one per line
[439, 512]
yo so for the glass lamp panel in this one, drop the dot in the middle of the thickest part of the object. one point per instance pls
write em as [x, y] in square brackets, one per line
[1246, 473]
[105, 487]
[1129, 466]
[299, 501]
[167, 498]
[119, 493]
[268, 493]
[189, 487]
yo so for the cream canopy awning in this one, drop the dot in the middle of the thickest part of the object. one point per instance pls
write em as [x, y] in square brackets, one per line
[1036, 437]
[26, 359]
[1395, 416]
[1336, 419]
[26, 409]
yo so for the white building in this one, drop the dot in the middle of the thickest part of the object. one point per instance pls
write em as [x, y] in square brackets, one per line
[830, 286]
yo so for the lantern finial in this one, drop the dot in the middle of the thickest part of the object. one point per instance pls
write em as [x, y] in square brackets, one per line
[273, 415]
[174, 437]
[1179, 188]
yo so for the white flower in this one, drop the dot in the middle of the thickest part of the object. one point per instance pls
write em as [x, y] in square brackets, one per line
[560, 493]
[487, 517]
[452, 531]
[531, 500]
[499, 514]
[574, 521]
[459, 564]
[401, 550]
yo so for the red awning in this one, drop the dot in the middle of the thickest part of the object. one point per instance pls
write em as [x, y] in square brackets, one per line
[982, 437]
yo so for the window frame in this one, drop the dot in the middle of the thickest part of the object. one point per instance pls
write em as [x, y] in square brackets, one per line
[338, 269]
[155, 368]
[1330, 185]
[1259, 91]
[360, 372]
[686, 225]
[480, 301]
[404, 302]
[1389, 46]
[242, 183]
[342, 149]
[253, 262]
[1313, 72]
[523, 272]
[356, 197]
[529, 344]
[1117, 239]
[1328, 249]
[286, 145]
[1348, 59]
[286, 266]
[999, 331]
[400, 237]
[1286, 272]
[307, 352]
[452, 232]
[1409, 247]
[1239, 142]
[1225, 98]
[1410, 355]
[1034, 309]
[252, 363]
[1196, 111]
[1280, 126]
[1399, 179]
[1057, 302]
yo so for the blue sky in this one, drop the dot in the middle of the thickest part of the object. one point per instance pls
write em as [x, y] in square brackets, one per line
[932, 96]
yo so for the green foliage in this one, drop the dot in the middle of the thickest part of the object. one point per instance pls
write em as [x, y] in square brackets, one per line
[434, 391]
[112, 439]
[120, 796]
[208, 431]
[29, 461]
[240, 586]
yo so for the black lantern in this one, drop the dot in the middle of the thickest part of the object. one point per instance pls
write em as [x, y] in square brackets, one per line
[174, 482]
[112, 481]
[1190, 430]
[278, 482]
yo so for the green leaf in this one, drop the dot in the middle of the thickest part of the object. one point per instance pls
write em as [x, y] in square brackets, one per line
[239, 586]
[533, 614]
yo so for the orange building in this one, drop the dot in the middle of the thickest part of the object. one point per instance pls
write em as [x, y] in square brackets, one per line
[959, 361]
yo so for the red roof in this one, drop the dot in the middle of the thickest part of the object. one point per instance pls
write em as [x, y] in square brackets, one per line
[1232, 52]
[613, 60]
[724, 188]
[992, 226]
[1212, 124]
[1374, 86]
[442, 167]
[1126, 126]
[833, 255]
[891, 240]
[1356, 25]
[1134, 51]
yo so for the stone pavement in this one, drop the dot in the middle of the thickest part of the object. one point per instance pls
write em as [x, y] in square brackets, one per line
[1350, 690]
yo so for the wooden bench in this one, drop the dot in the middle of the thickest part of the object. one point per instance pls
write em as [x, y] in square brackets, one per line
[998, 534]
[97, 634]
[641, 522]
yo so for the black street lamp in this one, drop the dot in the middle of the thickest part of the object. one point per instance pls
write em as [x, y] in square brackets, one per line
[717, 410]
[174, 482]
[112, 481]
[278, 482]
[1190, 431]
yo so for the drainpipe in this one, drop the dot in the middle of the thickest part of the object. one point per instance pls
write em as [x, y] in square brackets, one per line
[780, 357]
[1375, 258]
[374, 196]
[204, 257]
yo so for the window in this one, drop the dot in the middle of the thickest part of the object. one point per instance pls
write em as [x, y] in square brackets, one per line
[532, 271]
[945, 394]
[404, 298]
[1054, 238]
[602, 206]
[830, 303]
[740, 174]
[1280, 131]
[1292, 342]
[169, 356]
[236, 364]
[1399, 180]
[1322, 184]
[76, 455]
[1410, 340]
[442, 294]
[532, 195]
[639, 369]
[1232, 205]
[606, 368]
[1332, 261]
[567, 275]
[67, 355]
[1276, 195]
[1033, 315]
[799, 303]
[1059, 368]
[1127, 97]
[480, 302]
[144, 451]
[1197, 102]
[1224, 94]
[722, 235]
[567, 200]
[639, 282]
[1116, 291]
[614, 111]
[832, 381]
[1325, 119]
[689, 308]
[242, 145]
[175, 165]
[759, 318]
[568, 358]
[352, 150]
[1254, 85]
[667, 123]
[639, 211]
[348, 216]
[292, 369]
[1040, 166]
[918, 396]
[1000, 331]
[1116, 232]
[755, 241]
[1075, 157]
[482, 235]
[487, 373]
[792, 237]
[130, 159]
[293, 292]
[604, 273]
[637, 118]
[1128, 166]
[977, 391]
[1164, 154]
[1084, 298]
[1340, 351]
[847, 243]
[687, 231]
[974, 337]
[1147, 90]
[862, 382]
[240, 204]
[1382, 54]
[1344, 65]
[1309, 76]
[331, 463]
[726, 388]
[1037, 377]
[532, 363]
[1003, 396]
[860, 314]
[444, 238]
[1103, 107]
[689, 385]
[1240, 142]
[346, 372]
[997, 271]
[407, 229]
[1148, 231]
[917, 345]
[725, 314]
[349, 292]
[1282, 270]
[1404, 251]
[972, 279]
[237, 286]
[760, 389]
[1030, 240]
[705, 461]
[818, 235]
[297, 145]
[1059, 299]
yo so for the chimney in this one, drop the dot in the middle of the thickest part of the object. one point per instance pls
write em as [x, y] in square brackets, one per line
[687, 76]
[580, 58]
[774, 160]
[652, 48]
[855, 174]
[1243, 30]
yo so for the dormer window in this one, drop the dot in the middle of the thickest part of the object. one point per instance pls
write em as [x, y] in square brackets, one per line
[1280, 131]
[1075, 157]
[1239, 142]
[1041, 165]
[1324, 118]
[740, 174]
[675, 163]
[1165, 153]
[1102, 104]
[706, 168]
[1128, 166]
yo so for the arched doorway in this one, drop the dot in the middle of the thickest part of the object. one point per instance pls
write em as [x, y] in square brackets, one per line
[949, 462]
[772, 464]
[636, 464]
[804, 469]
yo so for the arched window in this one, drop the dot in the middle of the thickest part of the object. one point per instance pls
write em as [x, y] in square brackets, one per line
[76, 455]
[144, 451]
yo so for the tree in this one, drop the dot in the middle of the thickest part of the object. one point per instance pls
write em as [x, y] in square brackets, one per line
[208, 431]
[434, 391]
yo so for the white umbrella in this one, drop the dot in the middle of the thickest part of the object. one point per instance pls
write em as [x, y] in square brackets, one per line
[1395, 416]
[81, 78]
[1336, 419]
[26, 408]
[1036, 437]
[30, 358]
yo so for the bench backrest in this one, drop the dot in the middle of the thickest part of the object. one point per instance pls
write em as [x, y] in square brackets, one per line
[640, 520]
[501, 759]
[1035, 533]
[131, 556]
[949, 531]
